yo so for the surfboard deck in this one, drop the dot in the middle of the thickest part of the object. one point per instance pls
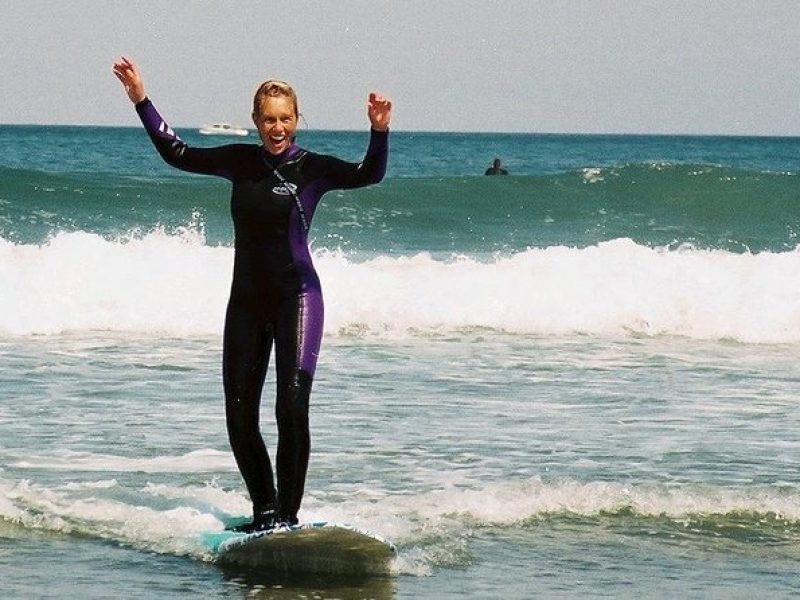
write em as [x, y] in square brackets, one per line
[314, 547]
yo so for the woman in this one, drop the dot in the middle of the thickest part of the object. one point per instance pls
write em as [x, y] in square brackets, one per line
[275, 295]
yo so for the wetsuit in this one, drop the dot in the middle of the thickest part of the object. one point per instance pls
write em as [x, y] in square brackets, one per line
[275, 295]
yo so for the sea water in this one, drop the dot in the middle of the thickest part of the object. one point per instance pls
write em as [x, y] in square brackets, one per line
[578, 380]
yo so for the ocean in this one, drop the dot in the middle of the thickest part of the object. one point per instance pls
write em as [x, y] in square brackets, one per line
[580, 380]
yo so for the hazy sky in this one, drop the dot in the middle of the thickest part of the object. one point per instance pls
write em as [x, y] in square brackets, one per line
[587, 66]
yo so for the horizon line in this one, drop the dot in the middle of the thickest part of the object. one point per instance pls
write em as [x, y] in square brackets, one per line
[194, 128]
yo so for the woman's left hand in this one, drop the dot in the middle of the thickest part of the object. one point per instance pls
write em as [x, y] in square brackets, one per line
[379, 110]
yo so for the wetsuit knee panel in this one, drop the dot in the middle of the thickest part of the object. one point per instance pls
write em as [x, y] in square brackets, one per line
[242, 417]
[293, 401]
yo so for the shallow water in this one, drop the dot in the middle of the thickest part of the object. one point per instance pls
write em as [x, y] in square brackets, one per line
[501, 465]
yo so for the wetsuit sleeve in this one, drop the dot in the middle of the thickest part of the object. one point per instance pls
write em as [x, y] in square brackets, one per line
[342, 174]
[176, 153]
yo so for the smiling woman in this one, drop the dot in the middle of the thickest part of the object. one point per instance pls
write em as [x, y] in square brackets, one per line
[276, 297]
[275, 114]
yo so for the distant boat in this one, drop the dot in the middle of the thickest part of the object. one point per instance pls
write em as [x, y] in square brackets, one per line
[222, 129]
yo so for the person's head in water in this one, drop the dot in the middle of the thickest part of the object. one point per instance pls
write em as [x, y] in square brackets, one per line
[496, 168]
[275, 115]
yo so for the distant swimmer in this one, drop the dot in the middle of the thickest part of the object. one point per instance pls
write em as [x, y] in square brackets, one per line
[496, 168]
[275, 298]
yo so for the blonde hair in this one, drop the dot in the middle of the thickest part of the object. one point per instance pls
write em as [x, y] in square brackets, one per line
[273, 88]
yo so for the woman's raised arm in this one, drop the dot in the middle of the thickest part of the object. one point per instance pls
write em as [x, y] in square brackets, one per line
[128, 73]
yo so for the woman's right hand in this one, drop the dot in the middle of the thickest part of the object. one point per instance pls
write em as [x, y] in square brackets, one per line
[128, 73]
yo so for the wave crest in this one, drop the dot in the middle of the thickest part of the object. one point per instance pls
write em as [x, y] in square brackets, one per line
[175, 284]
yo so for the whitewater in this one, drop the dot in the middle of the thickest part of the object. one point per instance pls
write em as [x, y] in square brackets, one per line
[177, 284]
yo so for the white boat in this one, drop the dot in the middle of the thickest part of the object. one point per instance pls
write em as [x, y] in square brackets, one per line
[223, 129]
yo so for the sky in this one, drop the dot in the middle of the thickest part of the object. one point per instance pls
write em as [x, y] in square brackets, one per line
[728, 67]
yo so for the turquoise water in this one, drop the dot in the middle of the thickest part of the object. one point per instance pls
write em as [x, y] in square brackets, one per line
[580, 380]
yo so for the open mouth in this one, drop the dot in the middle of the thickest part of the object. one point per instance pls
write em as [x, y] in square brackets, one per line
[278, 143]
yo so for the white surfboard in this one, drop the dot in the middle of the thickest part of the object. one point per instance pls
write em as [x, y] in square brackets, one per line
[315, 547]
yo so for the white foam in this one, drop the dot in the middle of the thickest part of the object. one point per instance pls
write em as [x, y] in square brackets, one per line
[197, 461]
[90, 485]
[614, 288]
[517, 501]
[431, 528]
[176, 285]
[210, 495]
[79, 281]
[174, 531]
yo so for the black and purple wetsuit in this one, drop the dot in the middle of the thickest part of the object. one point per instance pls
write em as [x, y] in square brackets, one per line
[275, 294]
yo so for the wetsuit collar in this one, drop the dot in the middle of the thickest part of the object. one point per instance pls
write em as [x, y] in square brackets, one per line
[277, 159]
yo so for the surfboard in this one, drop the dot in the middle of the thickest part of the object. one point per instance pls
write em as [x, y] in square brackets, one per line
[315, 547]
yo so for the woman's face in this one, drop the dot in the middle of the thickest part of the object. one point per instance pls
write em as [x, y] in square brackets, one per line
[276, 123]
